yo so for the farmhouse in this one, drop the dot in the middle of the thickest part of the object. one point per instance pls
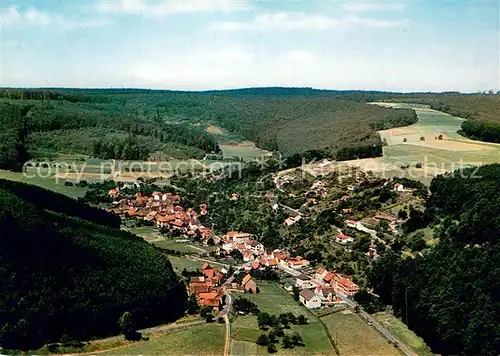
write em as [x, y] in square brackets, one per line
[309, 299]
[249, 284]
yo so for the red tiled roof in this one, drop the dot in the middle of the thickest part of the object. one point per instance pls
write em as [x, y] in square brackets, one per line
[386, 217]
[210, 295]
[347, 283]
[343, 237]
[205, 266]
[210, 302]
[246, 279]
[209, 273]
[178, 223]
[164, 218]
[328, 277]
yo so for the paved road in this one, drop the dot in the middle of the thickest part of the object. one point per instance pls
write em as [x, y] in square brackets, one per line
[227, 343]
[365, 316]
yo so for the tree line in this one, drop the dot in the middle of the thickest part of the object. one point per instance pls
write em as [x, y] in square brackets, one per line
[73, 279]
[450, 295]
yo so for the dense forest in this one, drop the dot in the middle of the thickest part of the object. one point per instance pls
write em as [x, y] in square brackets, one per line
[133, 124]
[450, 295]
[310, 127]
[43, 124]
[297, 122]
[65, 275]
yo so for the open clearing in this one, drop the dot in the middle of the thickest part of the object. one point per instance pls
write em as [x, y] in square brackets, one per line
[181, 263]
[243, 149]
[274, 300]
[205, 339]
[215, 130]
[355, 337]
[398, 328]
[405, 148]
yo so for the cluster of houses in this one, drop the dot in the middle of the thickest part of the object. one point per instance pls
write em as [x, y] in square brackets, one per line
[323, 287]
[208, 287]
[252, 250]
[161, 209]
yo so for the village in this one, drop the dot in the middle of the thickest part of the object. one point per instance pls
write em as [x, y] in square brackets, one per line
[317, 287]
[340, 223]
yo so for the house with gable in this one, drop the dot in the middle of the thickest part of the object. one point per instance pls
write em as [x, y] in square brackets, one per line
[310, 299]
[320, 273]
[249, 284]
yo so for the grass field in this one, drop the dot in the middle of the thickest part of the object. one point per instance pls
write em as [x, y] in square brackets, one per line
[398, 328]
[274, 300]
[47, 183]
[355, 337]
[243, 149]
[177, 246]
[180, 263]
[148, 233]
[205, 339]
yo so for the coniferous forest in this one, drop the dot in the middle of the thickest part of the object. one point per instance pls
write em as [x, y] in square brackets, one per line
[67, 270]
[451, 295]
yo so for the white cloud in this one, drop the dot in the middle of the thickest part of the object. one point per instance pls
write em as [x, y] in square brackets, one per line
[285, 22]
[374, 6]
[162, 8]
[12, 16]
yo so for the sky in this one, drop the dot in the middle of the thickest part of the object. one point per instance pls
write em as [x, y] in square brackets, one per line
[413, 45]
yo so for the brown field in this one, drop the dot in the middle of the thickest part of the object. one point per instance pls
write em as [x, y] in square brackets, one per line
[451, 145]
[215, 130]
[400, 131]
[71, 176]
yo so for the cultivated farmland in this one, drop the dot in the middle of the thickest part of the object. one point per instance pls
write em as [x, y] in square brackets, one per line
[433, 142]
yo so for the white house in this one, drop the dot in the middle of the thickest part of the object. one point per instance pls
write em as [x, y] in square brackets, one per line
[248, 256]
[399, 187]
[303, 282]
[343, 239]
[292, 220]
[256, 247]
[309, 299]
[327, 294]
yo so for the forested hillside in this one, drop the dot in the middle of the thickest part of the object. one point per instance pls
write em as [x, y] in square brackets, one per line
[44, 123]
[62, 275]
[314, 127]
[132, 124]
[451, 295]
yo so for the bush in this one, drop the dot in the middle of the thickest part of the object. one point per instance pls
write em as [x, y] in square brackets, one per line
[262, 340]
[271, 348]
